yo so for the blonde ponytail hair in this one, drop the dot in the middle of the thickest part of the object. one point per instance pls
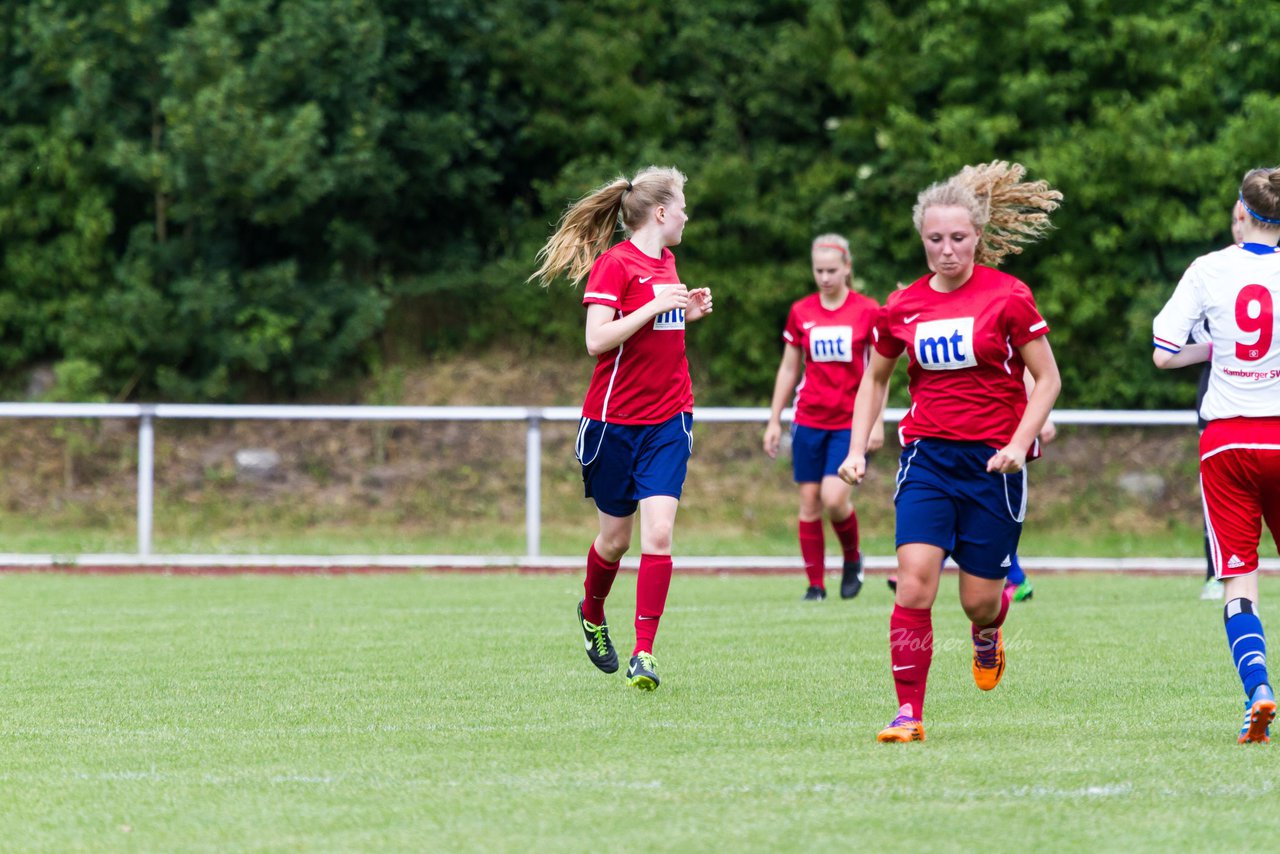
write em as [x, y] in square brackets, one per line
[586, 228]
[1007, 211]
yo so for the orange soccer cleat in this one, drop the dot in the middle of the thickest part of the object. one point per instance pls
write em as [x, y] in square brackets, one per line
[1258, 714]
[988, 659]
[903, 728]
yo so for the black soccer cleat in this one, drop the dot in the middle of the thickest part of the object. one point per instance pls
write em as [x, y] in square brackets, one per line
[642, 673]
[851, 580]
[815, 594]
[599, 646]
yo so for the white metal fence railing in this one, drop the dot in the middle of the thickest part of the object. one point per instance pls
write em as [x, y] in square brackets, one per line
[533, 417]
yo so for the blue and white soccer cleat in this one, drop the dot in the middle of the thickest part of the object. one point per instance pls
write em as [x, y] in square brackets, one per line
[1259, 711]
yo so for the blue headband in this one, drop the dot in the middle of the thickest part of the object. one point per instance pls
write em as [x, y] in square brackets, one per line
[1259, 217]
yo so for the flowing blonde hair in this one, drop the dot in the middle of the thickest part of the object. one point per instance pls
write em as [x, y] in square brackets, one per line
[587, 227]
[1007, 211]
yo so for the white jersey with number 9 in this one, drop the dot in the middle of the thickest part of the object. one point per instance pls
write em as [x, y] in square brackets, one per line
[1237, 290]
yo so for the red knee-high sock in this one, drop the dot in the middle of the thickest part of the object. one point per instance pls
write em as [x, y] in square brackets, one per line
[652, 583]
[987, 633]
[847, 531]
[911, 652]
[813, 551]
[600, 575]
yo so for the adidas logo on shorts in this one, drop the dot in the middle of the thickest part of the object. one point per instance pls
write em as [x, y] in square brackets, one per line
[1235, 562]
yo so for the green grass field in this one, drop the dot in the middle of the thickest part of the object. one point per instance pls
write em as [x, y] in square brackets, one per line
[453, 712]
[568, 533]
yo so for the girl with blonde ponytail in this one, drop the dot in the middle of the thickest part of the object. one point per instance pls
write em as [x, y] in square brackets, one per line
[635, 436]
[970, 333]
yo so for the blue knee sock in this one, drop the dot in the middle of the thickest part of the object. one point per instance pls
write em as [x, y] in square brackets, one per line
[1016, 575]
[1248, 644]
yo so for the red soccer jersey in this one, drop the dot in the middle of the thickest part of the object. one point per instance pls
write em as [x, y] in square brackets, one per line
[645, 380]
[834, 343]
[964, 371]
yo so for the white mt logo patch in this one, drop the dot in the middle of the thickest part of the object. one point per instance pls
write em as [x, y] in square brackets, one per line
[945, 345]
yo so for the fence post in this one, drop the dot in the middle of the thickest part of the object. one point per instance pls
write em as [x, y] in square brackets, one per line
[146, 473]
[533, 484]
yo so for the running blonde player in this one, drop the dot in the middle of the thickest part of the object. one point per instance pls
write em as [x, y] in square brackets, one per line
[636, 433]
[969, 332]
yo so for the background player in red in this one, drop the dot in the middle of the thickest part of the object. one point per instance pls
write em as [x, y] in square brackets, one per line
[826, 346]
[635, 436]
[1235, 291]
[970, 331]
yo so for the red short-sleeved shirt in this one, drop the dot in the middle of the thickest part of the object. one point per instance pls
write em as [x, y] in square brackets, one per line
[645, 380]
[965, 372]
[835, 346]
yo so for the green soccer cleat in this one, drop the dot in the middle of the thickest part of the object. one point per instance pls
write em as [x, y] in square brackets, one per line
[642, 673]
[1023, 591]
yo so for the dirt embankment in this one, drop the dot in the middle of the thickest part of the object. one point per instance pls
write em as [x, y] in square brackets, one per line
[1143, 476]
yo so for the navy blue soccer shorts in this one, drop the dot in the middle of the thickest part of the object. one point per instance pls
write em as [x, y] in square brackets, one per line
[947, 498]
[623, 463]
[817, 453]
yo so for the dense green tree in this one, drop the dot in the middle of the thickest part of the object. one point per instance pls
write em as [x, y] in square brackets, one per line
[188, 213]
[235, 198]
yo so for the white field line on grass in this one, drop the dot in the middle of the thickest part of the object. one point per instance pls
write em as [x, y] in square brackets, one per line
[747, 564]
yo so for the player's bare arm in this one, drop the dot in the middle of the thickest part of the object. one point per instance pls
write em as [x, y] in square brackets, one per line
[1049, 431]
[784, 385]
[1191, 354]
[867, 406]
[605, 333]
[1046, 384]
[876, 440]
